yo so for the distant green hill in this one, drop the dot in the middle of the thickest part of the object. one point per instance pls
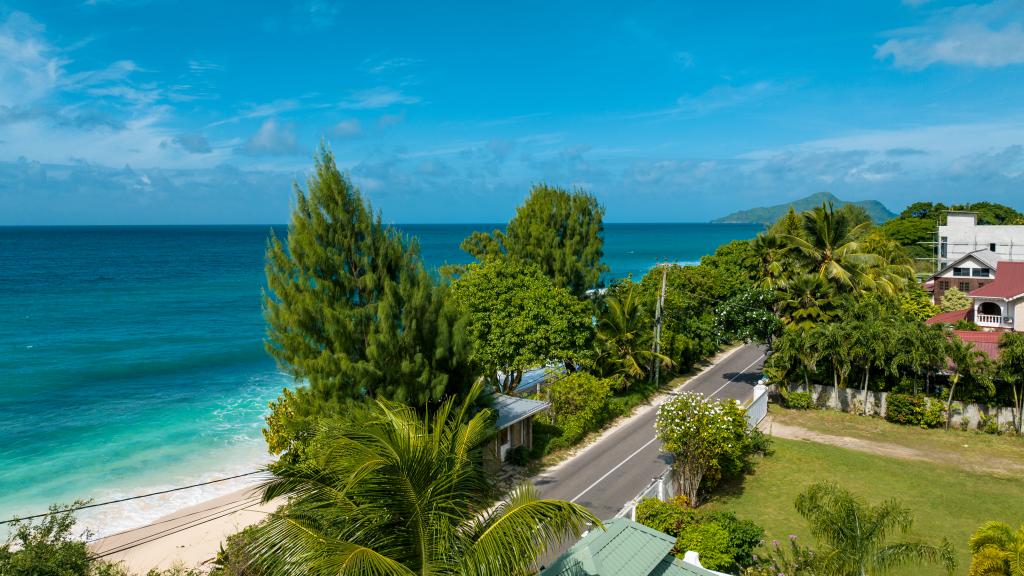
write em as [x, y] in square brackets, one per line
[768, 214]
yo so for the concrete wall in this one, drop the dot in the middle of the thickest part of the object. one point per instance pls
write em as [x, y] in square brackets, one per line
[964, 236]
[850, 400]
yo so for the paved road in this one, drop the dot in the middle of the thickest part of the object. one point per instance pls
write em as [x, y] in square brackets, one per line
[614, 470]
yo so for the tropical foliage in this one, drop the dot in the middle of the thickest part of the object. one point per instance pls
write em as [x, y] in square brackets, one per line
[954, 300]
[519, 319]
[579, 404]
[352, 312]
[558, 231]
[706, 439]
[997, 550]
[385, 491]
[623, 343]
[856, 539]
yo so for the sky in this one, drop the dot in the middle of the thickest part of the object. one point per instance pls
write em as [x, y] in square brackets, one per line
[179, 112]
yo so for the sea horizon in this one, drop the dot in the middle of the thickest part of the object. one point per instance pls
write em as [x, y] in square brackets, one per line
[134, 360]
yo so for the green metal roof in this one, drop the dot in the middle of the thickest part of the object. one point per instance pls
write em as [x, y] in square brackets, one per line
[623, 548]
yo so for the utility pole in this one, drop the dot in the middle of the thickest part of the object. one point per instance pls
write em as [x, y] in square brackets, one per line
[656, 346]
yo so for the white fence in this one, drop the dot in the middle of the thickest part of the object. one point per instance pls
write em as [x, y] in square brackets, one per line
[663, 488]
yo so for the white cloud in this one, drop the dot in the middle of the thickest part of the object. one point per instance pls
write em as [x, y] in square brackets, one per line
[375, 98]
[273, 138]
[30, 67]
[985, 36]
[727, 96]
[347, 128]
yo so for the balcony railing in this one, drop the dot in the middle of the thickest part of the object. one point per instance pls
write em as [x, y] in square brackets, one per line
[990, 319]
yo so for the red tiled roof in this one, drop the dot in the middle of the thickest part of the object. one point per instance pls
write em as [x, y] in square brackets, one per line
[987, 342]
[1009, 282]
[949, 317]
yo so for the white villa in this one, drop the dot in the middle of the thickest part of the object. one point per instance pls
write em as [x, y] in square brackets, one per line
[962, 235]
[996, 305]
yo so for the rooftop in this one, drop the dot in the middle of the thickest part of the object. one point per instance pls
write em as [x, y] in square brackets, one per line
[623, 548]
[949, 317]
[511, 409]
[1009, 282]
[987, 342]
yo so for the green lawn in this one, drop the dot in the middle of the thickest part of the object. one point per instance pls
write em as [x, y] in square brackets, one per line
[947, 501]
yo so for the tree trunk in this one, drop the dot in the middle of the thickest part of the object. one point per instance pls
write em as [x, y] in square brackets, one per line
[864, 396]
[949, 403]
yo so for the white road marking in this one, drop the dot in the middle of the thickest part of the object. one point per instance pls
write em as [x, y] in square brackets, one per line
[617, 466]
[652, 440]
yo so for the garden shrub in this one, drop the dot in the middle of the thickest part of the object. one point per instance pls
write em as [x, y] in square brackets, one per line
[669, 517]
[744, 537]
[579, 404]
[988, 424]
[518, 456]
[798, 400]
[711, 541]
[914, 410]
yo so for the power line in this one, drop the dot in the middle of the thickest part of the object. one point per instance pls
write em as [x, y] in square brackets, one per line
[157, 523]
[98, 504]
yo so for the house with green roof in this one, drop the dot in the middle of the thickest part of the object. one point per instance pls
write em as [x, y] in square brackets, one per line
[626, 548]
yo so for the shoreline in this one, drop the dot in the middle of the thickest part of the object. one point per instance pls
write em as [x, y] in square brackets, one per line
[190, 536]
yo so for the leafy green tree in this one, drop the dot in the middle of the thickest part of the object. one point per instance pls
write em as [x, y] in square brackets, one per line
[579, 404]
[1011, 370]
[351, 310]
[702, 435]
[46, 548]
[385, 491]
[558, 231]
[954, 300]
[870, 340]
[916, 304]
[807, 301]
[854, 537]
[518, 319]
[912, 233]
[832, 342]
[970, 366]
[830, 245]
[795, 350]
[624, 337]
[996, 550]
[749, 316]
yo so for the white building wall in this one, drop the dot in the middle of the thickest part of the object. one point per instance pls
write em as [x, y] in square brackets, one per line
[963, 235]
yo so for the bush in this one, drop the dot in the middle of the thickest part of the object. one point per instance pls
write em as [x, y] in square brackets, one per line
[711, 541]
[234, 557]
[744, 537]
[670, 517]
[518, 456]
[988, 424]
[46, 548]
[579, 404]
[912, 410]
[798, 400]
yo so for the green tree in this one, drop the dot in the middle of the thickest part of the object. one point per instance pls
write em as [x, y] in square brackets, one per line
[701, 435]
[351, 310]
[830, 245]
[970, 365]
[954, 300]
[558, 231]
[624, 337]
[519, 319]
[1011, 370]
[770, 259]
[807, 301]
[996, 550]
[579, 404]
[916, 304]
[46, 548]
[385, 491]
[854, 537]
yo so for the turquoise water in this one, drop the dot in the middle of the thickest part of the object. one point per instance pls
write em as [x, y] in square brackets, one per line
[131, 359]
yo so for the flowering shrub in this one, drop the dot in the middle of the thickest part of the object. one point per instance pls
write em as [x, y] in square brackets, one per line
[708, 439]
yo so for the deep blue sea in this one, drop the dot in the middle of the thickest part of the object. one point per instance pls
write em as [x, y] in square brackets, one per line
[131, 358]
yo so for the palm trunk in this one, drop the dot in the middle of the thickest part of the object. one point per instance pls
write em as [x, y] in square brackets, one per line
[1018, 402]
[864, 396]
[949, 402]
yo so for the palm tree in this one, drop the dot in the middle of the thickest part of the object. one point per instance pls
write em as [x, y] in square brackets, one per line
[832, 342]
[967, 361]
[892, 269]
[869, 340]
[853, 536]
[996, 550]
[807, 301]
[768, 257]
[623, 338]
[830, 245]
[1011, 369]
[385, 491]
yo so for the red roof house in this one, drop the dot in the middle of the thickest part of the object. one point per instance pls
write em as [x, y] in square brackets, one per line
[987, 342]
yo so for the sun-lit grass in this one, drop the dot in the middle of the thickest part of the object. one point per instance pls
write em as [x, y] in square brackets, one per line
[969, 449]
[948, 502]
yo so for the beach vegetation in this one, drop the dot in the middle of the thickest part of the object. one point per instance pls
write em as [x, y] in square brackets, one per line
[386, 490]
[997, 550]
[352, 313]
[556, 230]
[518, 319]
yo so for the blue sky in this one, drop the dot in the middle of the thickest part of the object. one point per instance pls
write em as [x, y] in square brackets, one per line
[140, 112]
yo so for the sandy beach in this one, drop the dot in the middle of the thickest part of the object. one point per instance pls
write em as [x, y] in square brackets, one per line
[189, 537]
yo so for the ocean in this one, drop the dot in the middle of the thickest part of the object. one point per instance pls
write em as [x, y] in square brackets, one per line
[131, 358]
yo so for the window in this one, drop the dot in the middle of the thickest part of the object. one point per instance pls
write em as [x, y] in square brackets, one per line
[942, 246]
[965, 286]
[980, 272]
[944, 284]
[504, 436]
[992, 247]
[961, 271]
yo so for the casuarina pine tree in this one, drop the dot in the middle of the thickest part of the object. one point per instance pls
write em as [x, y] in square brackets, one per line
[558, 231]
[352, 312]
